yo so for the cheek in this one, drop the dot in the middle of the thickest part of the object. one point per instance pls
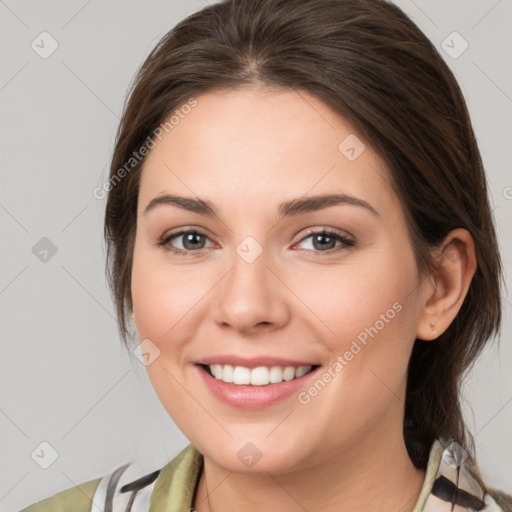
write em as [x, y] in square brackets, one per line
[163, 298]
[163, 308]
[362, 301]
[370, 311]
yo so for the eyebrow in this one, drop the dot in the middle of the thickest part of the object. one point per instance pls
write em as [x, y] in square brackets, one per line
[286, 209]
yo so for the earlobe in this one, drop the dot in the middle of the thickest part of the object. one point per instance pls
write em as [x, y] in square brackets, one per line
[434, 329]
[455, 267]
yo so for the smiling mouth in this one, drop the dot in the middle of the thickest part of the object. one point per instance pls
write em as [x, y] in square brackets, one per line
[259, 376]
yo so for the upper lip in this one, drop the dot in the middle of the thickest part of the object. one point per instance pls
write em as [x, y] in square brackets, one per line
[253, 362]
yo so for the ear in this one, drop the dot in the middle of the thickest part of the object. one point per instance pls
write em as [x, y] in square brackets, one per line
[447, 288]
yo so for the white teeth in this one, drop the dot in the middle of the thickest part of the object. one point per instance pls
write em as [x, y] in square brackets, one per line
[289, 373]
[241, 375]
[227, 373]
[260, 376]
[301, 370]
[216, 370]
[276, 374]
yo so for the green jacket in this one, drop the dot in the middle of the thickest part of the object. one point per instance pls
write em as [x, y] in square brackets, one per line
[447, 484]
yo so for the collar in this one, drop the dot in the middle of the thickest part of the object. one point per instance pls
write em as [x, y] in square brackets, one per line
[449, 485]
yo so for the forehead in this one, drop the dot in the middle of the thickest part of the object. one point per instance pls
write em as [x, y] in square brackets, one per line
[240, 146]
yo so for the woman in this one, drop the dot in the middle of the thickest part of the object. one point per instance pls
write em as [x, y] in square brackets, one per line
[309, 270]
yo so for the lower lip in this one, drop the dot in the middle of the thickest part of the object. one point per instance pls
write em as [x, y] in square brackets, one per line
[252, 397]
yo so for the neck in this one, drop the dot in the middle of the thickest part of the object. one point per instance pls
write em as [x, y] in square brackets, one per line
[359, 478]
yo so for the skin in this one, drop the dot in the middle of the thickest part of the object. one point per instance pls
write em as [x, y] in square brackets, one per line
[246, 151]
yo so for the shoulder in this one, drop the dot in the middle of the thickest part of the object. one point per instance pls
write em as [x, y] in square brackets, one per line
[129, 487]
[453, 481]
[116, 489]
[75, 499]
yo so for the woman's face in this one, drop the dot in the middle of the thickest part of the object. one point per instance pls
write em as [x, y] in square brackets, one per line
[257, 288]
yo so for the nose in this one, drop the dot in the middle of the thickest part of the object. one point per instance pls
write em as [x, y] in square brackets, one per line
[251, 296]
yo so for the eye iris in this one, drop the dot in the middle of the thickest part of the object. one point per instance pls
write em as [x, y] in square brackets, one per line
[320, 241]
[189, 238]
[323, 237]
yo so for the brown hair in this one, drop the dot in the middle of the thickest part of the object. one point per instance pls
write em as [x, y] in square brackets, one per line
[371, 64]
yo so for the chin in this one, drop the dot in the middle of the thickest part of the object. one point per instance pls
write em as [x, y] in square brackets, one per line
[259, 455]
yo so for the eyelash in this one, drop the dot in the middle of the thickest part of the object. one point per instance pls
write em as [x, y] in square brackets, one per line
[165, 241]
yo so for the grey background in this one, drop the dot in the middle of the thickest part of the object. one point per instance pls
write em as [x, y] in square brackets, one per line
[64, 377]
